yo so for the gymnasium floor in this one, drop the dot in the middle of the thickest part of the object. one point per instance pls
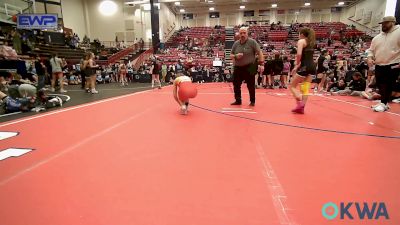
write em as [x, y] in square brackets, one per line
[134, 160]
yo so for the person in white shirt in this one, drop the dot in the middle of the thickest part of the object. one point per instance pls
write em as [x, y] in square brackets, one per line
[384, 53]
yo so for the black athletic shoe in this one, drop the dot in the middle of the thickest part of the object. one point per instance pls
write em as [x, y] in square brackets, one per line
[236, 103]
[252, 104]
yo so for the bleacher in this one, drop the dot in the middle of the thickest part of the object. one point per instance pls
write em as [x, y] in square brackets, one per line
[279, 38]
[73, 56]
[324, 30]
[264, 33]
[175, 55]
[201, 34]
[62, 51]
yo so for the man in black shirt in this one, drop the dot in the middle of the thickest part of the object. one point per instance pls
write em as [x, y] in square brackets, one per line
[40, 72]
[268, 71]
[277, 67]
[323, 67]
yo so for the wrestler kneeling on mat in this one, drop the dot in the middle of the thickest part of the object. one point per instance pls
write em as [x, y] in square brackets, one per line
[183, 90]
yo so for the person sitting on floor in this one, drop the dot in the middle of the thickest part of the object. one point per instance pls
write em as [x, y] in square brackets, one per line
[337, 86]
[356, 86]
[16, 104]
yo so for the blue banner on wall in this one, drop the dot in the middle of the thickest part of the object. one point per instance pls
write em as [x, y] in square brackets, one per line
[37, 21]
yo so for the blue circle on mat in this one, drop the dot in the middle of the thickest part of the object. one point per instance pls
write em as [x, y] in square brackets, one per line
[335, 213]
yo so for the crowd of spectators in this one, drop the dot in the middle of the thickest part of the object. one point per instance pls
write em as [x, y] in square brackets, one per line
[345, 71]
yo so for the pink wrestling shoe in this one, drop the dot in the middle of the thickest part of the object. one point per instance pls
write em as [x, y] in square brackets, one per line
[299, 108]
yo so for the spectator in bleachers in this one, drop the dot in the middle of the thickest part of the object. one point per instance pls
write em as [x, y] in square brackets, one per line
[68, 39]
[141, 44]
[341, 51]
[17, 42]
[7, 52]
[77, 40]
[189, 59]
[272, 26]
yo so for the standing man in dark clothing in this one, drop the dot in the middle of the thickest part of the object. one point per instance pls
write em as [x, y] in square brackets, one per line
[322, 69]
[41, 72]
[141, 44]
[82, 73]
[385, 54]
[244, 53]
[278, 67]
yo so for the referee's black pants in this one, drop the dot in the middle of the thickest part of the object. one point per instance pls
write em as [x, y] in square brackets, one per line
[83, 79]
[240, 74]
[386, 77]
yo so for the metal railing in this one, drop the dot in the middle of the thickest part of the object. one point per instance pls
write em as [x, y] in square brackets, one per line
[368, 31]
[143, 57]
[169, 34]
[114, 44]
[117, 56]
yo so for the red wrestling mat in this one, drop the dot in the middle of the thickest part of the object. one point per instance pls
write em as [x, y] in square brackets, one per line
[135, 160]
